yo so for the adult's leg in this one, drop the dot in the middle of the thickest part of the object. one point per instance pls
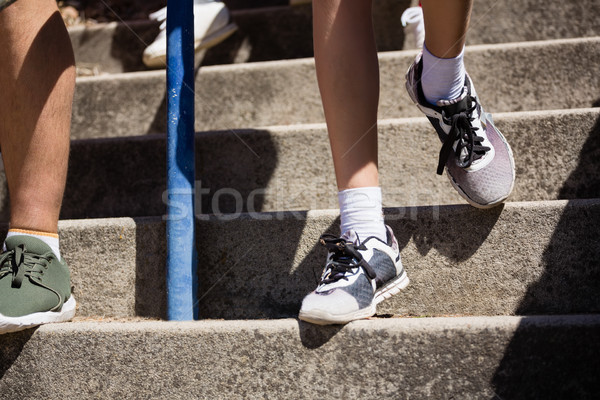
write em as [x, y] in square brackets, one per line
[37, 77]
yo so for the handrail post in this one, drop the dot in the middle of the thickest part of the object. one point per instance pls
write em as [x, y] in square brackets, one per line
[182, 278]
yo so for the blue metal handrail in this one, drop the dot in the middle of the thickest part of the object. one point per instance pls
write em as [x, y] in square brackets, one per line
[182, 279]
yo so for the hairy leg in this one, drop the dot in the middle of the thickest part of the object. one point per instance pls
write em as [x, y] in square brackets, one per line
[348, 76]
[37, 77]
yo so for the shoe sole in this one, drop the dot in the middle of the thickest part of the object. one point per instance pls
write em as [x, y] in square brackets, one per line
[207, 42]
[320, 317]
[391, 288]
[15, 324]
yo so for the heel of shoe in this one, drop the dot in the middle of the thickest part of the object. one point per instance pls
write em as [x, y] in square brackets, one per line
[392, 288]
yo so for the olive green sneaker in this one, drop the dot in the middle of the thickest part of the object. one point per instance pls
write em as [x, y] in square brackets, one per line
[35, 287]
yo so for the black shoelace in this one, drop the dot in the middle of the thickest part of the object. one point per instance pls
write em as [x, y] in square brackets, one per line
[463, 132]
[345, 257]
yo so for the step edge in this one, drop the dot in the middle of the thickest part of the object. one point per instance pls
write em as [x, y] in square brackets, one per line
[377, 324]
[299, 62]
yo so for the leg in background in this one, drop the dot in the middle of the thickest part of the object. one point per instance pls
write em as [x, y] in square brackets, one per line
[446, 24]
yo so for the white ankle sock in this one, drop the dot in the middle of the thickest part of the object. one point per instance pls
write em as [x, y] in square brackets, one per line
[442, 78]
[51, 239]
[360, 210]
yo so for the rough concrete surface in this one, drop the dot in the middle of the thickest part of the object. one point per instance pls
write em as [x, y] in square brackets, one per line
[112, 47]
[526, 258]
[265, 34]
[290, 168]
[440, 358]
[512, 77]
[117, 266]
[522, 258]
[286, 32]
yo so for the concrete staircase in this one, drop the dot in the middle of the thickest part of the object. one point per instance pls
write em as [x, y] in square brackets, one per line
[502, 304]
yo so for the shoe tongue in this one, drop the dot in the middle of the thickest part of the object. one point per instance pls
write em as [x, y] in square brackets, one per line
[33, 245]
[351, 236]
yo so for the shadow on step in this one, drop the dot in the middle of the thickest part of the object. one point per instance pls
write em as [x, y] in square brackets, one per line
[279, 33]
[130, 179]
[283, 33]
[128, 44]
[584, 181]
[457, 233]
[557, 366]
[315, 336]
[561, 362]
[150, 270]
[11, 346]
[263, 269]
[229, 183]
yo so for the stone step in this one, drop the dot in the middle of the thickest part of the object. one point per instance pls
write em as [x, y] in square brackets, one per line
[509, 77]
[397, 358]
[275, 169]
[521, 258]
[279, 33]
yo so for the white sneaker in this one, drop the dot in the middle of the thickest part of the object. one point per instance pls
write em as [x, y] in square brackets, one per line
[477, 158]
[414, 27]
[211, 26]
[357, 276]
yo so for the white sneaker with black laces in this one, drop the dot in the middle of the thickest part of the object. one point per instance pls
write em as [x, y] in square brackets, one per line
[414, 27]
[357, 276]
[212, 25]
[477, 158]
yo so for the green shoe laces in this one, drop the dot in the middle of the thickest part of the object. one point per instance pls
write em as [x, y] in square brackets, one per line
[21, 264]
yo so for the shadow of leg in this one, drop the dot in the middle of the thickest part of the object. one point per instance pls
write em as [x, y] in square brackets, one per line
[11, 346]
[563, 363]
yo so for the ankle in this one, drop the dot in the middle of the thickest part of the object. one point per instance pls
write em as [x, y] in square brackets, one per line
[442, 78]
[361, 211]
[51, 239]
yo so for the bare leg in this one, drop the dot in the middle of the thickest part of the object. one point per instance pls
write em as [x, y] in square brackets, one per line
[37, 77]
[446, 24]
[348, 76]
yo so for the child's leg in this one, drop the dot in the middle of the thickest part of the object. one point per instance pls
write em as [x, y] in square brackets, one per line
[348, 76]
[474, 153]
[361, 270]
[446, 23]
